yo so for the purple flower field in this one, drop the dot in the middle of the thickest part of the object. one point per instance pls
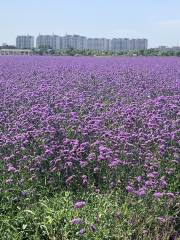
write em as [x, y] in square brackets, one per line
[90, 123]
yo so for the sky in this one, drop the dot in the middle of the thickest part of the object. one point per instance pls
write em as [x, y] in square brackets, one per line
[156, 20]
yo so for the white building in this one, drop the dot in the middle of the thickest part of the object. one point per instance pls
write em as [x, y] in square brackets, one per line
[44, 41]
[25, 42]
[103, 44]
[16, 52]
[138, 44]
[99, 44]
[67, 42]
[55, 42]
[120, 44]
[90, 43]
[48, 41]
[74, 41]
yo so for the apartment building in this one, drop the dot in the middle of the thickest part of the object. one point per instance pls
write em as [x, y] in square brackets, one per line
[25, 42]
[98, 44]
[43, 41]
[67, 42]
[104, 44]
[138, 44]
[74, 41]
[90, 43]
[120, 45]
[48, 41]
[56, 42]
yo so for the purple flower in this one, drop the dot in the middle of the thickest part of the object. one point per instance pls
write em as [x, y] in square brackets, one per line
[82, 231]
[97, 190]
[130, 189]
[158, 195]
[24, 193]
[149, 183]
[163, 184]
[114, 163]
[170, 194]
[162, 219]
[72, 117]
[69, 179]
[150, 175]
[48, 152]
[84, 179]
[139, 178]
[83, 164]
[141, 193]
[12, 169]
[9, 180]
[79, 204]
[76, 221]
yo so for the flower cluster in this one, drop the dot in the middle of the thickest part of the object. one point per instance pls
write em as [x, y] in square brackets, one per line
[79, 120]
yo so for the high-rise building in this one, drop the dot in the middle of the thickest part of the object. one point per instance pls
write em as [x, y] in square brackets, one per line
[43, 41]
[82, 43]
[55, 42]
[67, 42]
[138, 44]
[98, 44]
[48, 41]
[90, 43]
[115, 45]
[25, 42]
[120, 44]
[133, 44]
[74, 41]
[103, 44]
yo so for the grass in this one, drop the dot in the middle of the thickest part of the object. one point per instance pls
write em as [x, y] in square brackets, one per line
[108, 214]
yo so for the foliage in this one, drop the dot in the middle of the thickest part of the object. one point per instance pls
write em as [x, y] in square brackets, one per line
[89, 147]
[76, 52]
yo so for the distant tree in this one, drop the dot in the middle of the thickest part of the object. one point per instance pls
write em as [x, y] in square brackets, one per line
[178, 54]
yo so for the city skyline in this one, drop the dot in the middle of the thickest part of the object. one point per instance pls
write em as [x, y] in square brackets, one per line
[78, 42]
[158, 21]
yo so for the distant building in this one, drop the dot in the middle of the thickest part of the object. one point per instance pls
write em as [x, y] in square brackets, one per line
[90, 44]
[133, 44]
[175, 49]
[48, 41]
[25, 42]
[103, 44]
[67, 42]
[138, 44]
[43, 41]
[162, 48]
[12, 51]
[98, 44]
[74, 41]
[120, 45]
[55, 42]
[168, 49]
[78, 42]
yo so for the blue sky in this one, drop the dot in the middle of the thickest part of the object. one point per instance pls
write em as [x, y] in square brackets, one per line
[157, 20]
